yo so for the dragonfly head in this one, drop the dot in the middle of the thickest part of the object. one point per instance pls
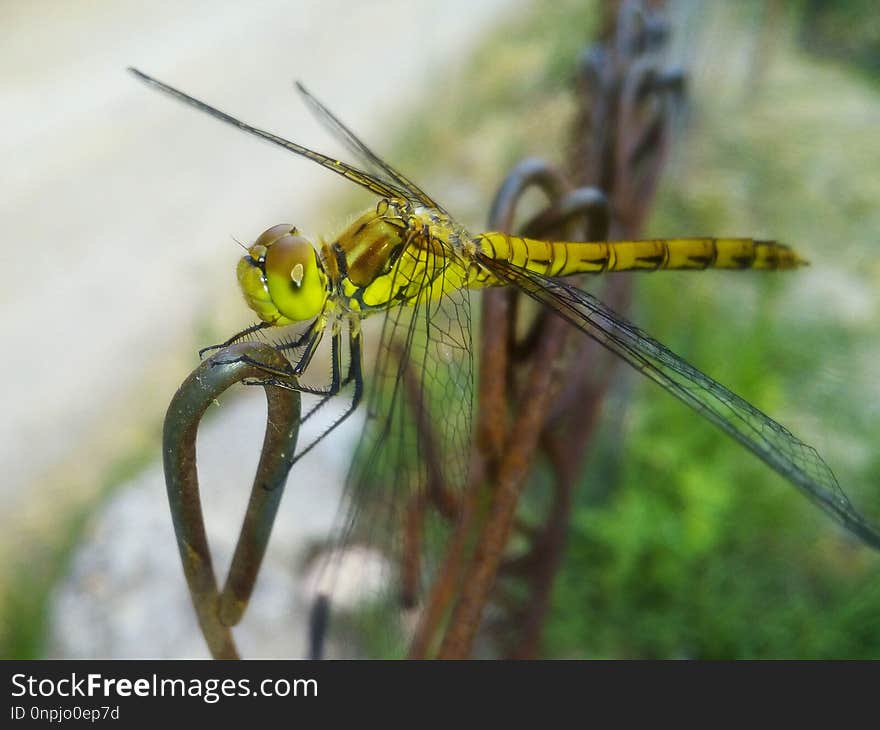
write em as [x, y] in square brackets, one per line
[281, 277]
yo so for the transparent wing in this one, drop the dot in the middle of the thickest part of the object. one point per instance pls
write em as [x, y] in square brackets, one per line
[382, 187]
[373, 162]
[412, 460]
[771, 442]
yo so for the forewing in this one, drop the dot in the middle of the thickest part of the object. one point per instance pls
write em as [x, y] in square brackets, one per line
[377, 185]
[798, 462]
[370, 159]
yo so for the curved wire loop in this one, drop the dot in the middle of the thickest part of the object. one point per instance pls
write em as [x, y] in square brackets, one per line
[218, 610]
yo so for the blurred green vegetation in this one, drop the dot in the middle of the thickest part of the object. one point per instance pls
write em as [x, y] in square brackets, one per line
[848, 30]
[701, 551]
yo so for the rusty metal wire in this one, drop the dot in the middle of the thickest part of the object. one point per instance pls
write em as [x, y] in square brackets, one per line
[622, 135]
[507, 469]
[218, 610]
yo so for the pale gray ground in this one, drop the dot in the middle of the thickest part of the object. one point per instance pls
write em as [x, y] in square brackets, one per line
[125, 595]
[118, 208]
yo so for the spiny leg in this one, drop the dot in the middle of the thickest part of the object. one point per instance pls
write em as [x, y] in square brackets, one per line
[312, 334]
[336, 383]
[311, 338]
[235, 338]
[355, 374]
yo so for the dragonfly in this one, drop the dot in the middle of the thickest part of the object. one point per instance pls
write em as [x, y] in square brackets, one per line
[408, 259]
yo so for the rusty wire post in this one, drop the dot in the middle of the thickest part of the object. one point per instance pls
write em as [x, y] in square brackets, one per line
[622, 137]
[508, 468]
[218, 610]
[628, 99]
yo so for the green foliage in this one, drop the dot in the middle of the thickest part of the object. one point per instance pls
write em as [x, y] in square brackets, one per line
[700, 550]
[847, 29]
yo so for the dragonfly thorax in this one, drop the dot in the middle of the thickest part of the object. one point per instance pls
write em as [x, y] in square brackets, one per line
[393, 254]
[282, 278]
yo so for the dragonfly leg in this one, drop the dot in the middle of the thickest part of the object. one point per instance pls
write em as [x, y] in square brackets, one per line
[269, 369]
[336, 381]
[311, 338]
[306, 336]
[235, 338]
[283, 373]
[355, 375]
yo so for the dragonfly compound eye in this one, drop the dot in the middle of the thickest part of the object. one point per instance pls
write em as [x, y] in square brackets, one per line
[281, 278]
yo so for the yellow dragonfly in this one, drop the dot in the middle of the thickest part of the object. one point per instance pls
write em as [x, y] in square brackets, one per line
[407, 258]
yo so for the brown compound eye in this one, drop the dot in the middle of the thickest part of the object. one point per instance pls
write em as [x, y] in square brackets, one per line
[281, 277]
[271, 235]
[287, 260]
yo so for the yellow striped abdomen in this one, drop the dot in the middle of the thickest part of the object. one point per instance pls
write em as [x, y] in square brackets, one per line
[562, 258]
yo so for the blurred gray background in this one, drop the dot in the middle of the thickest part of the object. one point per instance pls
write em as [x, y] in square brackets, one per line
[119, 207]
